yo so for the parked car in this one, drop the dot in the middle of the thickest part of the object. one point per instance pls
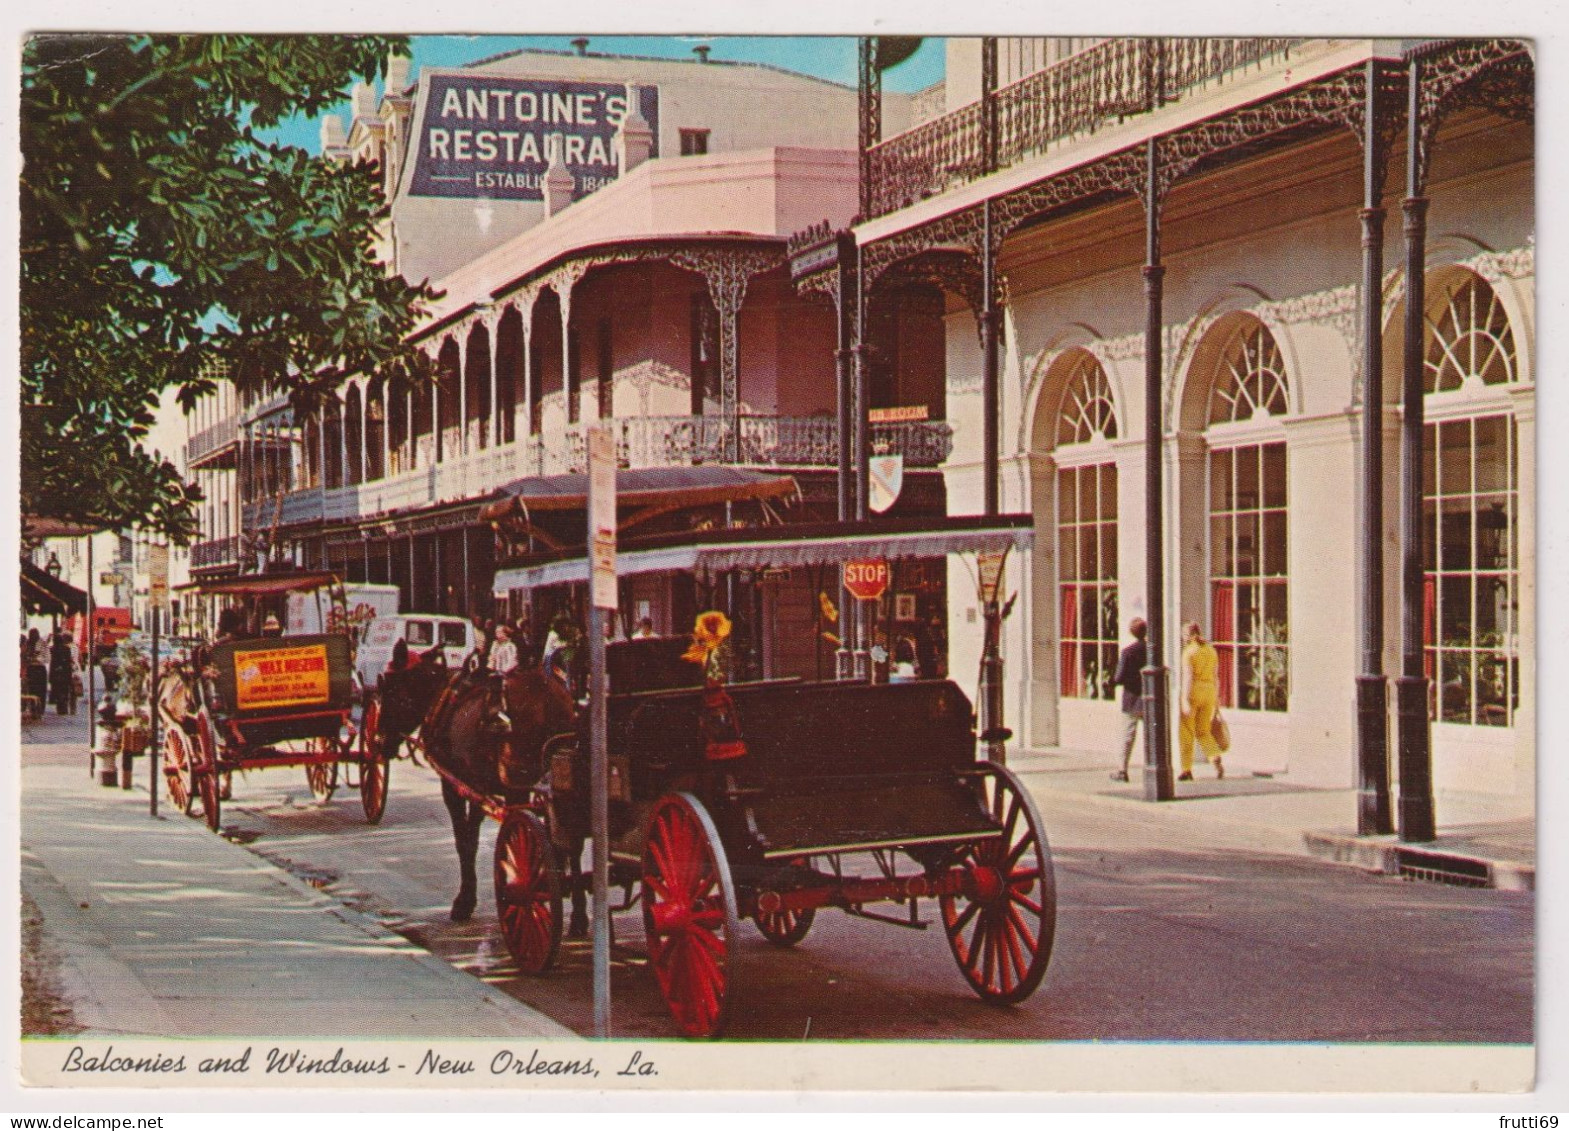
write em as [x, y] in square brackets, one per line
[422, 631]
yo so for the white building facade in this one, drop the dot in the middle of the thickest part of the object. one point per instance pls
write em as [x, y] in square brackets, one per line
[1260, 181]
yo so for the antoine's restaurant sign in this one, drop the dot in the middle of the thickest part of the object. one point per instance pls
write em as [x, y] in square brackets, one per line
[494, 137]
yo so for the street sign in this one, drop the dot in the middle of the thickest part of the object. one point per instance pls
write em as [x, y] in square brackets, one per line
[887, 479]
[158, 574]
[898, 414]
[866, 579]
[602, 518]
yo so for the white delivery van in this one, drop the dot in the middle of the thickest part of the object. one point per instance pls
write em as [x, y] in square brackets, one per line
[364, 601]
[423, 631]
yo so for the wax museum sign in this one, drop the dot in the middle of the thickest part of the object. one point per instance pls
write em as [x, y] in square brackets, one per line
[494, 137]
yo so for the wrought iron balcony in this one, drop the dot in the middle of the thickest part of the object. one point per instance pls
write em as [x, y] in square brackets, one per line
[769, 441]
[1086, 92]
[214, 446]
[215, 552]
[658, 441]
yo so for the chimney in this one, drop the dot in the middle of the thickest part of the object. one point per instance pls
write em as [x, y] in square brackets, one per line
[701, 51]
[397, 74]
[332, 135]
[636, 136]
[558, 185]
[364, 100]
[581, 43]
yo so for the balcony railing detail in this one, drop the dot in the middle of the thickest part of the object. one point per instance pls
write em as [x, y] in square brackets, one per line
[782, 442]
[215, 552]
[1084, 93]
[211, 439]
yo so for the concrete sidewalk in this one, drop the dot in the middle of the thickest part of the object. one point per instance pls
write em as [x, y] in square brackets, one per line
[1480, 843]
[163, 929]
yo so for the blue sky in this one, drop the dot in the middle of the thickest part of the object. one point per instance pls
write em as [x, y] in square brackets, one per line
[827, 57]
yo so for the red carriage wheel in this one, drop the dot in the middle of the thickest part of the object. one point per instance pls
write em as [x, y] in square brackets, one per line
[322, 777]
[785, 928]
[689, 914]
[374, 769]
[207, 785]
[177, 768]
[1001, 926]
[204, 775]
[528, 892]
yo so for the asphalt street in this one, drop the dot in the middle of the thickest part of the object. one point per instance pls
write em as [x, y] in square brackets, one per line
[1161, 935]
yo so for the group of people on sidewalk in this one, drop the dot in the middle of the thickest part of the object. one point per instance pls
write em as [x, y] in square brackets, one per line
[1198, 699]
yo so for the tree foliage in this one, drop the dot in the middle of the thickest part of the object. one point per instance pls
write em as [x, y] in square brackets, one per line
[167, 243]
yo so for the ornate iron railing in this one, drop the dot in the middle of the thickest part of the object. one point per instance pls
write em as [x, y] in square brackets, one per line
[655, 441]
[211, 439]
[927, 160]
[1102, 85]
[769, 441]
[215, 552]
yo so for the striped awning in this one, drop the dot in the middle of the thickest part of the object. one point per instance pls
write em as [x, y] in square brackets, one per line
[785, 546]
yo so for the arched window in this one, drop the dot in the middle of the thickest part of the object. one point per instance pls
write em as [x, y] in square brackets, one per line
[1086, 534]
[1248, 540]
[1470, 507]
[1252, 380]
[1087, 413]
[1469, 343]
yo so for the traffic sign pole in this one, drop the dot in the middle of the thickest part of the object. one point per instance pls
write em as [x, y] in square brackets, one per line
[602, 597]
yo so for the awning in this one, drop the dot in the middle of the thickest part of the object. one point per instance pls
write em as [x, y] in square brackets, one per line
[263, 584]
[40, 526]
[786, 546]
[47, 595]
[641, 487]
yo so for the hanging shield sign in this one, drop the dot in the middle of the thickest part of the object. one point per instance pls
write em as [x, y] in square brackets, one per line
[887, 478]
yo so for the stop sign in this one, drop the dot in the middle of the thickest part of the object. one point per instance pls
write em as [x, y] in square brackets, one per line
[866, 579]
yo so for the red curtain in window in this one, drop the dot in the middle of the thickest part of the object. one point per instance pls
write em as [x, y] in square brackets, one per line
[1429, 613]
[1068, 634]
[1224, 606]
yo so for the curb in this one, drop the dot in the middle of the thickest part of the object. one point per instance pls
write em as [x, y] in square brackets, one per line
[1384, 855]
[1390, 857]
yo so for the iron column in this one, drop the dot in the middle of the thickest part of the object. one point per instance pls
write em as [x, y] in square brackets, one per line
[1158, 785]
[846, 298]
[1373, 812]
[1416, 760]
[993, 731]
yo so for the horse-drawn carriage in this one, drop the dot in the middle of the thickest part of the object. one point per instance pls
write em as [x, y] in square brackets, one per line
[260, 701]
[764, 801]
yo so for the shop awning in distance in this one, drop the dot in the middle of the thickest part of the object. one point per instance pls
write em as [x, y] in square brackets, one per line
[47, 595]
[783, 547]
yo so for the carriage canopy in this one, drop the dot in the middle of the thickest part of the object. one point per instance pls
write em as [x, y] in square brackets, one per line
[264, 584]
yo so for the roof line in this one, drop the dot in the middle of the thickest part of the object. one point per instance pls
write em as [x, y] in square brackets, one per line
[652, 59]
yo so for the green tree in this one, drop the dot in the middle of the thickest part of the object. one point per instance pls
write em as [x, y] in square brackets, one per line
[168, 243]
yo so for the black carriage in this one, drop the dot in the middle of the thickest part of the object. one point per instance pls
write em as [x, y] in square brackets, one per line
[771, 800]
[267, 701]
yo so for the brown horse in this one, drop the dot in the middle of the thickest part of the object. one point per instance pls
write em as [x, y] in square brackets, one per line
[490, 740]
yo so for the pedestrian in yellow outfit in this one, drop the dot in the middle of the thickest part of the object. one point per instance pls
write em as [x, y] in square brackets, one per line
[1200, 697]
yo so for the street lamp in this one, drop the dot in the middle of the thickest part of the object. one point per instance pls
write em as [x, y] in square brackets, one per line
[53, 568]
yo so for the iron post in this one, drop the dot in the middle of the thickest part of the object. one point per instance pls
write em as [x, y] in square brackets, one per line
[1373, 799]
[1158, 784]
[1416, 816]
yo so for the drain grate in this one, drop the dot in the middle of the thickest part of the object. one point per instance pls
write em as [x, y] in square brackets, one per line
[1436, 868]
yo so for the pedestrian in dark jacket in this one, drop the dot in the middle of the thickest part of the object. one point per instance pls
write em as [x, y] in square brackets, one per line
[1130, 677]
